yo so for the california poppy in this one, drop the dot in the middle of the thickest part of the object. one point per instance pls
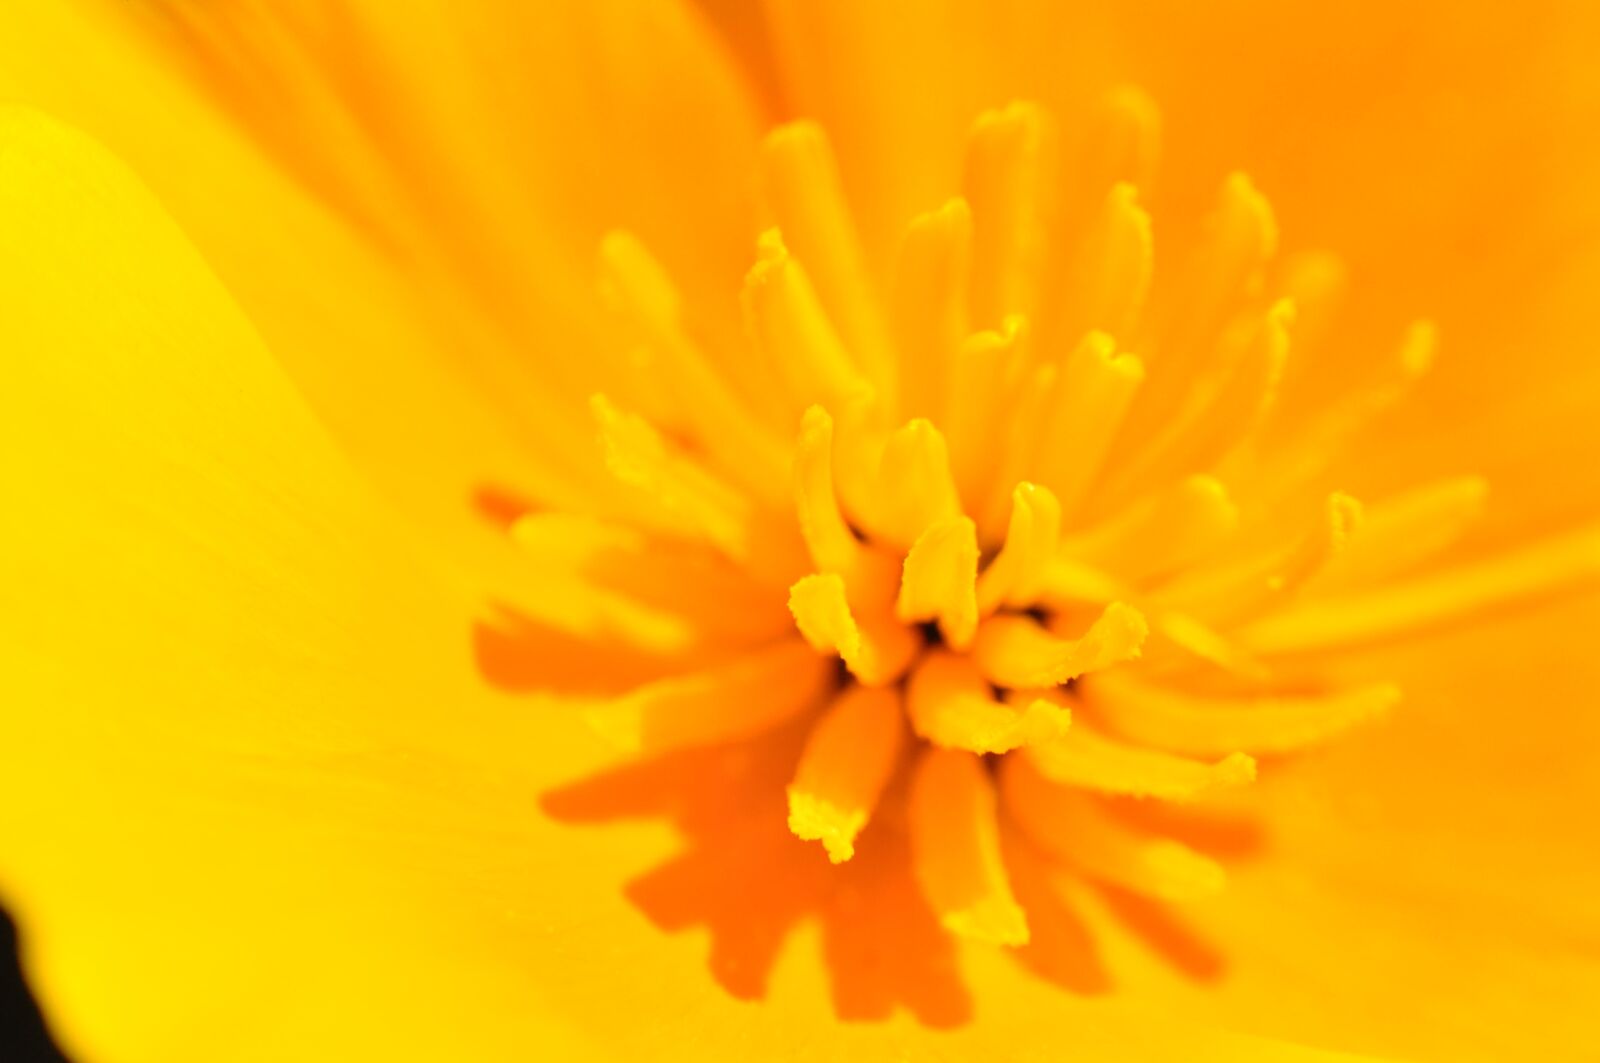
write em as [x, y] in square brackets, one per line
[1075, 516]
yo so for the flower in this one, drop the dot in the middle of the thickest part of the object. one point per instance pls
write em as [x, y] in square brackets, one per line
[263, 799]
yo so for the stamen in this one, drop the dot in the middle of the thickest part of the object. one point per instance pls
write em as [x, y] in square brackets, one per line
[848, 759]
[952, 707]
[1086, 409]
[1006, 174]
[736, 700]
[915, 488]
[741, 445]
[1402, 532]
[940, 581]
[955, 849]
[1017, 573]
[1015, 651]
[985, 374]
[1084, 757]
[1068, 826]
[1110, 276]
[1240, 239]
[869, 575]
[1095, 492]
[1218, 726]
[1160, 534]
[637, 455]
[802, 185]
[1219, 413]
[1019, 438]
[1200, 641]
[1233, 594]
[930, 305]
[1122, 144]
[877, 650]
[1315, 282]
[1311, 447]
[1454, 595]
[788, 324]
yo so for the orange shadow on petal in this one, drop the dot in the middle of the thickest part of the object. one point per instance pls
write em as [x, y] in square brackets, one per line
[1060, 949]
[1160, 927]
[749, 882]
[520, 654]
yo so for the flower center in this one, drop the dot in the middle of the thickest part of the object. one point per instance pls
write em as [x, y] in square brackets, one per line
[1062, 533]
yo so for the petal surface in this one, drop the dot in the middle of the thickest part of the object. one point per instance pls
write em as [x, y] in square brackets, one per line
[255, 800]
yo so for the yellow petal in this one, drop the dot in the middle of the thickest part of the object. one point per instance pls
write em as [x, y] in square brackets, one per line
[735, 700]
[231, 658]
